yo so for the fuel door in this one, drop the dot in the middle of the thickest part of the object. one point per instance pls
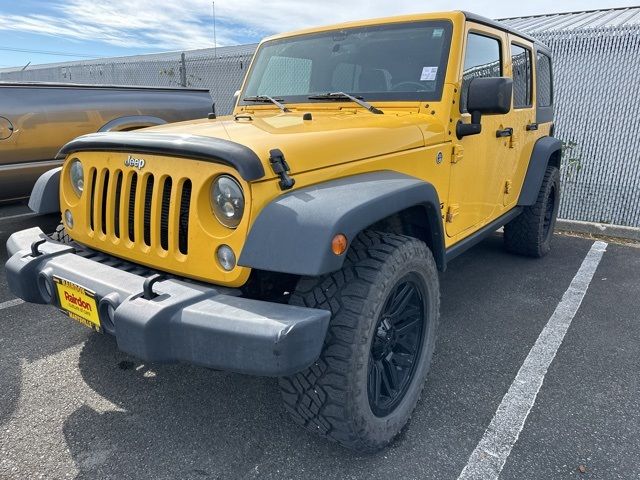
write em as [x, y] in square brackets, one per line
[6, 128]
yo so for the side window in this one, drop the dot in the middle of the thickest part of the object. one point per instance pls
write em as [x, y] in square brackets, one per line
[482, 59]
[543, 80]
[522, 78]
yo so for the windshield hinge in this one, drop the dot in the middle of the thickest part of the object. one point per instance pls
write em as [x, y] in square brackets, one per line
[281, 168]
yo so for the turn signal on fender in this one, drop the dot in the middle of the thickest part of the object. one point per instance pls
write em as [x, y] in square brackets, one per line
[339, 244]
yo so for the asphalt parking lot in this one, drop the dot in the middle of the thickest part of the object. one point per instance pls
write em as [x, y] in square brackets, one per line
[72, 406]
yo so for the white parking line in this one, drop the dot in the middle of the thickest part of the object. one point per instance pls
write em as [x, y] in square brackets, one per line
[11, 303]
[21, 215]
[488, 458]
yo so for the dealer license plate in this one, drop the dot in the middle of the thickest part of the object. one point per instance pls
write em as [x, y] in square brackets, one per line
[78, 302]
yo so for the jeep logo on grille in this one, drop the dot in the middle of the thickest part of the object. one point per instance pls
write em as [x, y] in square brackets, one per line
[134, 162]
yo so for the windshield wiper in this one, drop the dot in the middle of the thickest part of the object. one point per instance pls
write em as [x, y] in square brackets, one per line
[267, 99]
[343, 96]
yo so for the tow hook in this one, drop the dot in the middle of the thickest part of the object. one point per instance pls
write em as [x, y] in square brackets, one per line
[34, 247]
[147, 287]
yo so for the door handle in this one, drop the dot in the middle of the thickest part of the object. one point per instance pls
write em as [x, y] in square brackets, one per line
[532, 126]
[505, 132]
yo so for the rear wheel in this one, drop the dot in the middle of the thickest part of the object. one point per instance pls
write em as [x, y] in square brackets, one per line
[531, 232]
[368, 379]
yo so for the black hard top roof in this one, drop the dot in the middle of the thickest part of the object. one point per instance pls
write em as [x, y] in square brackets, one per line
[499, 26]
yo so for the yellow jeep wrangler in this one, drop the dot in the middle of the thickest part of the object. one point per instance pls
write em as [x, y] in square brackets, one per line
[301, 237]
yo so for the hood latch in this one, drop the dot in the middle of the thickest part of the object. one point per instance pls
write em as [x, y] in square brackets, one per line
[281, 168]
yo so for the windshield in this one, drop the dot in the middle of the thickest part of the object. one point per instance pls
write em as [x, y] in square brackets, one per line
[404, 61]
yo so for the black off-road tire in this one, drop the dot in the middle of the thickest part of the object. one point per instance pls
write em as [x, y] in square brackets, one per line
[331, 397]
[531, 232]
[60, 235]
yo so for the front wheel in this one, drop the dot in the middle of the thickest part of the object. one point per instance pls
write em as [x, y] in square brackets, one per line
[385, 305]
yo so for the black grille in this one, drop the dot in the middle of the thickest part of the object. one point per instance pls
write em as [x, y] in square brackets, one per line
[183, 227]
[93, 196]
[136, 215]
[116, 226]
[164, 214]
[148, 195]
[132, 207]
[105, 193]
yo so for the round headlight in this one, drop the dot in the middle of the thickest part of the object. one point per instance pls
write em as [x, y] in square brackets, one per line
[227, 201]
[76, 173]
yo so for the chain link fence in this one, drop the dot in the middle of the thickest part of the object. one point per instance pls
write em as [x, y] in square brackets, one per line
[597, 100]
[220, 70]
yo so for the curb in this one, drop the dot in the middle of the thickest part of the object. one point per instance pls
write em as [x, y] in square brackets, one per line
[618, 231]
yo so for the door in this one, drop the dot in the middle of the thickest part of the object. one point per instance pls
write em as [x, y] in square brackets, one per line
[477, 177]
[523, 113]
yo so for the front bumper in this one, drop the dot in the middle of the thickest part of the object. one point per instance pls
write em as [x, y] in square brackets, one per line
[184, 321]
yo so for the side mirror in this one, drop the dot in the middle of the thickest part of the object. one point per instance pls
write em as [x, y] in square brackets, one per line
[486, 96]
[236, 94]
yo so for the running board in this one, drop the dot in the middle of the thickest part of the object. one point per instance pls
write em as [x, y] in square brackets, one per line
[465, 244]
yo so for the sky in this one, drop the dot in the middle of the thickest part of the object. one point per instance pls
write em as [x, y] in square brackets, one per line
[47, 31]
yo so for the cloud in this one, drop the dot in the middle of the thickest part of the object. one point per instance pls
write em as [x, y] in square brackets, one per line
[188, 23]
[137, 23]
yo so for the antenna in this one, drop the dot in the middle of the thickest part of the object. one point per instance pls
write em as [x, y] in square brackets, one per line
[215, 40]
[213, 114]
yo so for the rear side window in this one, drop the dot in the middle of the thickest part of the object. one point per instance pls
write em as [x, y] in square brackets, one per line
[543, 81]
[482, 59]
[522, 78]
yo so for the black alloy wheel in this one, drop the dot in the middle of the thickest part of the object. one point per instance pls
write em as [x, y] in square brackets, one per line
[396, 346]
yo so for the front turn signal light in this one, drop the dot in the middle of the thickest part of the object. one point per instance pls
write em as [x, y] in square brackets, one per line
[339, 244]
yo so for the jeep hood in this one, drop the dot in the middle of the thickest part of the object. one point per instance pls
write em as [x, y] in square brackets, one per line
[330, 138]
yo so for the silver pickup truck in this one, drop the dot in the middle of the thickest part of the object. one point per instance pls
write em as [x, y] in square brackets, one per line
[36, 119]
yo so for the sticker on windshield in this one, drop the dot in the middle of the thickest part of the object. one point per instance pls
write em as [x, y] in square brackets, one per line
[437, 33]
[428, 74]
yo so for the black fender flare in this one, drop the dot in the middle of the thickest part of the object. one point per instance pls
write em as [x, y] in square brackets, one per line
[131, 122]
[293, 233]
[544, 149]
[45, 196]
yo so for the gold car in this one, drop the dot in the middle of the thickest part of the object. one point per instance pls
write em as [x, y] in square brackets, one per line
[37, 118]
